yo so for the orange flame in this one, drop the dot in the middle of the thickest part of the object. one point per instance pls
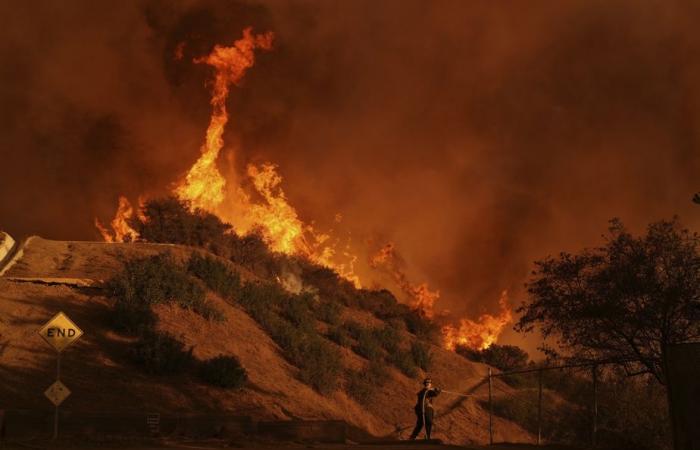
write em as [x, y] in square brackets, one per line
[204, 184]
[204, 187]
[422, 298]
[122, 231]
[481, 334]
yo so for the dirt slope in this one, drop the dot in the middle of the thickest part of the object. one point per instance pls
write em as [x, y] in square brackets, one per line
[102, 379]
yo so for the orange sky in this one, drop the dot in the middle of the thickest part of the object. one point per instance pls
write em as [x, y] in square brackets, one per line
[476, 136]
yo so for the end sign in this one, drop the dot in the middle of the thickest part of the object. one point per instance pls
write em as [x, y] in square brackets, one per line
[60, 332]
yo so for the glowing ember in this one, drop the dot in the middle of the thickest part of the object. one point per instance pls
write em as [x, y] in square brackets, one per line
[481, 334]
[122, 231]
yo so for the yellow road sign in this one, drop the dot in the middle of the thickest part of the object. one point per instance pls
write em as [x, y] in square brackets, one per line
[60, 332]
[57, 392]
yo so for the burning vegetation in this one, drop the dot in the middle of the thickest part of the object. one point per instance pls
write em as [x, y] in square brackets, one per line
[266, 212]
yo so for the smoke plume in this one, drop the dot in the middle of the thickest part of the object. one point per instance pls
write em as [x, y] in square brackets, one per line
[475, 136]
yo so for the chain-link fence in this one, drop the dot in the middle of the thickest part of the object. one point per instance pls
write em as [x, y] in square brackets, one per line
[592, 405]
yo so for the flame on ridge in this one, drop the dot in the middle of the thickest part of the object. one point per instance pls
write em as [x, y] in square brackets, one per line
[122, 231]
[204, 187]
[482, 333]
[422, 298]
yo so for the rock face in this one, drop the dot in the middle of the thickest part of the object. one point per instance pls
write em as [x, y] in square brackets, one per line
[103, 379]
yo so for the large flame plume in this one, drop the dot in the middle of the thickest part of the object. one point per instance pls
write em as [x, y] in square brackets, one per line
[481, 334]
[205, 187]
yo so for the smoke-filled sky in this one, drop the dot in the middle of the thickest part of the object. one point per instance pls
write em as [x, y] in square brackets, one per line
[476, 135]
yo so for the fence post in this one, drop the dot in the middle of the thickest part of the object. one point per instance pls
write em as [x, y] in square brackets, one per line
[490, 410]
[595, 405]
[58, 378]
[539, 408]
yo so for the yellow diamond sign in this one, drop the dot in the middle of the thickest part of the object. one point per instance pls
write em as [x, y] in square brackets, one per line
[57, 392]
[60, 332]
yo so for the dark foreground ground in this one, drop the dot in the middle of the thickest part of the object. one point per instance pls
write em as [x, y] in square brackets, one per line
[258, 445]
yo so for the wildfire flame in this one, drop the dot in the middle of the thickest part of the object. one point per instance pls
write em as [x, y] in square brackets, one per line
[204, 187]
[422, 298]
[481, 334]
[122, 231]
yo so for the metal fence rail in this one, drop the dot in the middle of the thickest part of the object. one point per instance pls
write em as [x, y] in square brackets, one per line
[541, 411]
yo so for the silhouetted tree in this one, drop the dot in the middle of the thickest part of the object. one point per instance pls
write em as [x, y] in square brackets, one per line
[625, 301]
[171, 220]
[504, 357]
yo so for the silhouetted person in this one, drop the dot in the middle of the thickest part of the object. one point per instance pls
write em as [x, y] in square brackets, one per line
[424, 408]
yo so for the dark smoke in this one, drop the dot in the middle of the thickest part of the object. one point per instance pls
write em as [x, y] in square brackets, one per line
[477, 136]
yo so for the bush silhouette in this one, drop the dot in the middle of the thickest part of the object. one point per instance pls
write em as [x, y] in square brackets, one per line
[363, 384]
[340, 336]
[289, 321]
[422, 356]
[223, 371]
[171, 220]
[216, 275]
[503, 357]
[150, 281]
[403, 360]
[161, 354]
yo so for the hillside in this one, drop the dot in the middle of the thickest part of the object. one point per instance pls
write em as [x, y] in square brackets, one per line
[50, 276]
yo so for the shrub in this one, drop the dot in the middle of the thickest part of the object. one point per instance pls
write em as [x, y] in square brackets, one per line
[422, 356]
[297, 309]
[388, 338]
[152, 280]
[319, 362]
[259, 299]
[330, 285]
[328, 311]
[362, 385]
[503, 357]
[216, 275]
[149, 281]
[161, 354]
[397, 323]
[223, 371]
[252, 252]
[422, 327]
[171, 220]
[368, 346]
[382, 304]
[340, 336]
[207, 310]
[353, 328]
[320, 365]
[378, 372]
[132, 317]
[359, 386]
[403, 360]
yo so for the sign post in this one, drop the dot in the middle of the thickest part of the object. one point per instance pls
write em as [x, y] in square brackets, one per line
[59, 332]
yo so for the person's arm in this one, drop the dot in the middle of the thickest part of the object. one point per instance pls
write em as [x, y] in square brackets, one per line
[434, 392]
